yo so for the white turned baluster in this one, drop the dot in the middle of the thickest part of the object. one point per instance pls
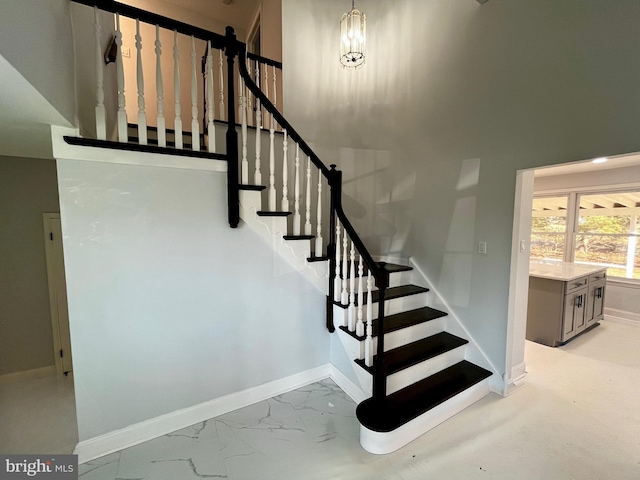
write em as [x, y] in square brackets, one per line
[162, 130]
[266, 92]
[337, 281]
[318, 250]
[368, 343]
[221, 65]
[123, 135]
[101, 114]
[272, 170]
[275, 93]
[211, 107]
[243, 116]
[359, 323]
[344, 298]
[258, 173]
[250, 116]
[285, 174]
[352, 290]
[177, 122]
[307, 223]
[142, 116]
[296, 213]
[195, 126]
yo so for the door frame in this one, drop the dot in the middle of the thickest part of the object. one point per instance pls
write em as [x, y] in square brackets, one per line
[51, 282]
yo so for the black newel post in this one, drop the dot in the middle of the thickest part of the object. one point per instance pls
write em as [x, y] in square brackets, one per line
[380, 373]
[335, 185]
[232, 135]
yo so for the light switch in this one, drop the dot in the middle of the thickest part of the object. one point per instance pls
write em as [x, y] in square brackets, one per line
[523, 246]
[482, 248]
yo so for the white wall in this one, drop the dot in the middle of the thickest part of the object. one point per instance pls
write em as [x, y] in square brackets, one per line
[454, 98]
[36, 39]
[29, 189]
[168, 306]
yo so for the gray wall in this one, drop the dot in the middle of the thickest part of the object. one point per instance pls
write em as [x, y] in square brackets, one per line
[36, 39]
[454, 98]
[168, 306]
[28, 189]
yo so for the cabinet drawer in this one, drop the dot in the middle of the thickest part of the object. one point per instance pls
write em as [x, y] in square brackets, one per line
[576, 284]
[597, 276]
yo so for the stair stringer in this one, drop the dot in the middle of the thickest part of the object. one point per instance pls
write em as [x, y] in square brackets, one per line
[473, 352]
[272, 230]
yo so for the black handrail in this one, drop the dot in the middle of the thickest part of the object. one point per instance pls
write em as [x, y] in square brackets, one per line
[265, 60]
[334, 178]
[232, 48]
[217, 41]
[291, 132]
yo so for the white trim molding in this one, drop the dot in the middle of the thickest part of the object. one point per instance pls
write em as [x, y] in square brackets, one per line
[26, 375]
[62, 150]
[154, 427]
[621, 316]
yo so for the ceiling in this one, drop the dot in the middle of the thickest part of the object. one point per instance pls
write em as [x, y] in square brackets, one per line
[587, 166]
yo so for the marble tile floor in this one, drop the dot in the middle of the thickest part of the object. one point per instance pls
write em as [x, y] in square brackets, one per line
[578, 417]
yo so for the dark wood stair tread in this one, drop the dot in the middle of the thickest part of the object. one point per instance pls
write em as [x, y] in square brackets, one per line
[324, 258]
[264, 213]
[397, 292]
[135, 147]
[298, 237]
[413, 353]
[254, 188]
[390, 267]
[395, 410]
[395, 267]
[390, 294]
[402, 320]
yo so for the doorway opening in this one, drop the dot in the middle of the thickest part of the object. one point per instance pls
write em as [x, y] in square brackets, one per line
[619, 173]
[57, 293]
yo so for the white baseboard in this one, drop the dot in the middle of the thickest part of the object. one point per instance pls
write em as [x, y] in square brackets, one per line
[347, 386]
[26, 375]
[621, 316]
[141, 432]
[515, 382]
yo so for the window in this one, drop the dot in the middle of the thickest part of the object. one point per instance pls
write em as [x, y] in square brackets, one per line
[595, 229]
[549, 228]
[607, 232]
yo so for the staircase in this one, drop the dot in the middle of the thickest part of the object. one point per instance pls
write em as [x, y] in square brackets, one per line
[415, 371]
[427, 377]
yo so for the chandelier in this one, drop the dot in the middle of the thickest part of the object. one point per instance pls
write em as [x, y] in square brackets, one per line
[353, 38]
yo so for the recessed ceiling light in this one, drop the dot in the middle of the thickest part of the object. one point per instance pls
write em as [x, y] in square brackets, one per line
[599, 160]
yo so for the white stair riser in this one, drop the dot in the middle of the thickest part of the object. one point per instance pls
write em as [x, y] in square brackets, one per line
[397, 279]
[391, 307]
[250, 200]
[382, 443]
[393, 339]
[401, 304]
[422, 370]
[410, 334]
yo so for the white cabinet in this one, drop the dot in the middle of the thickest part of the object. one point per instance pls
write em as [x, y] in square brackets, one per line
[561, 308]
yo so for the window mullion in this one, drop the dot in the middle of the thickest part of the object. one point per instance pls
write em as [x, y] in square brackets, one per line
[572, 227]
